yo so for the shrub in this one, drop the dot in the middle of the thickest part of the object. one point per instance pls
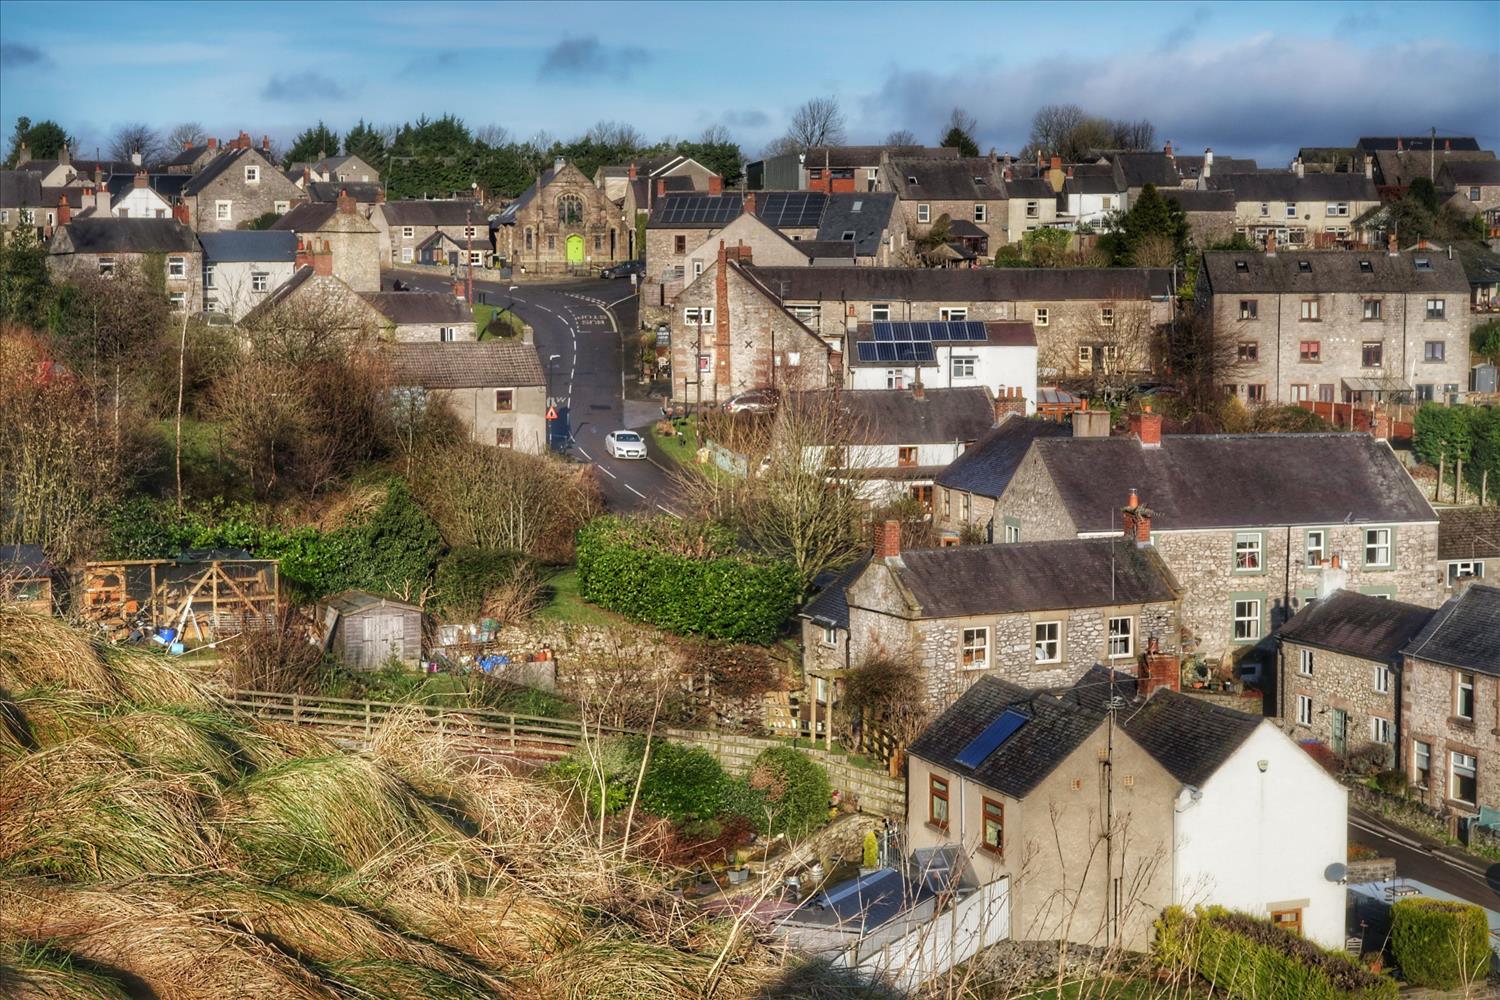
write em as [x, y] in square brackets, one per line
[1439, 943]
[786, 792]
[681, 783]
[686, 578]
[467, 576]
[1254, 960]
[1391, 782]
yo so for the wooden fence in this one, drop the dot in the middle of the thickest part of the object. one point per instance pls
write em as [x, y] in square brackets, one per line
[538, 738]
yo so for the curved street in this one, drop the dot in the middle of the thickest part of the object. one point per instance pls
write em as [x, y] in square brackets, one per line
[577, 328]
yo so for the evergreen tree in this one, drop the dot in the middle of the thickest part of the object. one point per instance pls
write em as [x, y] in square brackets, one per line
[956, 136]
[43, 139]
[1152, 221]
[364, 142]
[312, 145]
[25, 287]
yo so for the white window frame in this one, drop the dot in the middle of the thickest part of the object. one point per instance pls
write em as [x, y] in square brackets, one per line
[1380, 730]
[1321, 548]
[406, 255]
[1043, 316]
[1382, 679]
[260, 281]
[252, 174]
[223, 210]
[1462, 568]
[924, 214]
[447, 334]
[1033, 209]
[830, 636]
[895, 378]
[1378, 540]
[880, 312]
[1106, 315]
[1421, 751]
[208, 277]
[979, 213]
[964, 366]
[1311, 311]
[953, 314]
[974, 648]
[469, 232]
[178, 301]
[408, 232]
[1120, 637]
[107, 267]
[1458, 696]
[1291, 210]
[695, 315]
[177, 268]
[1338, 208]
[1470, 763]
[282, 207]
[1046, 634]
[1305, 662]
[1250, 544]
[1304, 710]
[697, 268]
[476, 257]
[1086, 357]
[1252, 622]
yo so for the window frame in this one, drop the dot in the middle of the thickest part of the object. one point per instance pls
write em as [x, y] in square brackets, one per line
[1258, 618]
[1462, 687]
[1107, 316]
[1472, 766]
[1369, 349]
[1055, 641]
[1371, 310]
[963, 365]
[1306, 662]
[224, 210]
[1381, 680]
[953, 314]
[700, 315]
[985, 819]
[1310, 352]
[408, 232]
[447, 334]
[176, 268]
[936, 794]
[1431, 357]
[967, 648]
[980, 212]
[1111, 637]
[1421, 776]
[1453, 572]
[505, 437]
[830, 637]
[1389, 545]
[505, 401]
[1042, 316]
[1304, 710]
[260, 281]
[1308, 549]
[1249, 310]
[880, 312]
[281, 207]
[252, 173]
[1438, 314]
[924, 213]
[1254, 543]
[1310, 311]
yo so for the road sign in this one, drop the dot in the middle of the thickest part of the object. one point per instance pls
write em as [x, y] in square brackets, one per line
[551, 413]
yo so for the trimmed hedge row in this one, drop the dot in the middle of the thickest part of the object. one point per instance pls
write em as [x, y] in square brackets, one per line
[1440, 943]
[1254, 960]
[686, 578]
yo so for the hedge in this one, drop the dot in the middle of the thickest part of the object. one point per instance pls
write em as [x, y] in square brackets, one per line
[1253, 960]
[1450, 433]
[687, 578]
[787, 792]
[1440, 943]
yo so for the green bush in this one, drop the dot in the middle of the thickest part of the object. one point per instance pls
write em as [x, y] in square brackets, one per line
[786, 792]
[681, 783]
[1440, 943]
[467, 575]
[1253, 960]
[686, 578]
[1391, 782]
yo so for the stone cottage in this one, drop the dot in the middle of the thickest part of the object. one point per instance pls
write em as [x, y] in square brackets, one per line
[340, 230]
[108, 246]
[444, 233]
[561, 223]
[495, 388]
[238, 186]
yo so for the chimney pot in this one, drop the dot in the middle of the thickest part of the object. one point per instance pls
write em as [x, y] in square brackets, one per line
[141, 179]
[749, 202]
[213, 143]
[346, 202]
[1270, 243]
[888, 540]
[265, 143]
[1168, 148]
[632, 171]
[458, 289]
[1136, 520]
[1390, 245]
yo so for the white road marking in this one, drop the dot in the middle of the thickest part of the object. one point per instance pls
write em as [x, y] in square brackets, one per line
[582, 452]
[668, 511]
[613, 476]
[635, 491]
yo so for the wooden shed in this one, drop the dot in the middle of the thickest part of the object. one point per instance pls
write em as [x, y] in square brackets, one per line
[368, 631]
[26, 578]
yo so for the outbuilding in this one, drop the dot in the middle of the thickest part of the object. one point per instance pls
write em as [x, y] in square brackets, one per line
[367, 631]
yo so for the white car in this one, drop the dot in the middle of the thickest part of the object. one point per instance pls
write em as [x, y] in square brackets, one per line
[625, 444]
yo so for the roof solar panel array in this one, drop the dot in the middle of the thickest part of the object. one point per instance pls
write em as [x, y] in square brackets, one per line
[697, 209]
[790, 209]
[895, 352]
[948, 331]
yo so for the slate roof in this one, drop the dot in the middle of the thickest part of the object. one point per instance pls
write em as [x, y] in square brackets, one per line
[115, 235]
[1345, 621]
[970, 178]
[1289, 187]
[1371, 143]
[1192, 166]
[839, 251]
[320, 216]
[169, 186]
[1468, 533]
[403, 308]
[20, 189]
[1188, 736]
[1028, 187]
[869, 156]
[868, 215]
[1334, 271]
[1192, 200]
[1464, 633]
[968, 580]
[216, 167]
[1473, 172]
[1481, 264]
[1059, 722]
[186, 157]
[452, 212]
[1234, 480]
[830, 605]
[480, 364]
[990, 284]
[238, 245]
[364, 192]
[1137, 169]
[987, 466]
[1403, 167]
[896, 416]
[1090, 183]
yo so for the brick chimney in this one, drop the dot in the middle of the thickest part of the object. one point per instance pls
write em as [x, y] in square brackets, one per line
[917, 389]
[1147, 426]
[749, 202]
[1380, 426]
[243, 140]
[64, 211]
[1390, 246]
[323, 261]
[1010, 400]
[1005, 174]
[1158, 671]
[721, 319]
[1167, 148]
[631, 173]
[213, 143]
[265, 144]
[142, 179]
[346, 202]
[1136, 520]
[380, 196]
[186, 144]
[716, 184]
[888, 540]
[661, 187]
[458, 290]
[1056, 162]
[180, 213]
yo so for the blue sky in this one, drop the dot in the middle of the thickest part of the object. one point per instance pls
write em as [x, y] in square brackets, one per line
[1250, 79]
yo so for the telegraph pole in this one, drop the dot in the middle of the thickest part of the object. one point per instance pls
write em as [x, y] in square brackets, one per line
[469, 241]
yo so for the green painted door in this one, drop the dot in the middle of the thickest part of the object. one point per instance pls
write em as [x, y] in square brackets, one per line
[575, 249]
[1340, 730]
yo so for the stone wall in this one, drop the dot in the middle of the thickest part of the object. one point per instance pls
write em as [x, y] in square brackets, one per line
[1338, 682]
[247, 201]
[1033, 500]
[1428, 715]
[601, 228]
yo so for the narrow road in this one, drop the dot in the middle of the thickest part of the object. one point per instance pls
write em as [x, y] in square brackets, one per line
[1416, 860]
[581, 351]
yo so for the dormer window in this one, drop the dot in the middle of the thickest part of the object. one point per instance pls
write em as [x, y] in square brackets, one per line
[911, 180]
[848, 236]
[1241, 266]
[1305, 266]
[1365, 267]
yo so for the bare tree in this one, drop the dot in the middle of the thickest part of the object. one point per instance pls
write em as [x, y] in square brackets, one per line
[133, 138]
[617, 135]
[1199, 361]
[1053, 127]
[961, 120]
[1137, 134]
[1102, 353]
[186, 134]
[716, 135]
[818, 122]
[493, 136]
[901, 137]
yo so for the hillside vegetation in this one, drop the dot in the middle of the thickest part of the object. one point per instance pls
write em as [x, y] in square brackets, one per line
[151, 844]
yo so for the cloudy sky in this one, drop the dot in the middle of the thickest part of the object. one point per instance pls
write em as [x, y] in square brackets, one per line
[1250, 79]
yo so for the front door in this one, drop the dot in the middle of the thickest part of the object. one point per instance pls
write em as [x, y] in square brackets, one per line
[1340, 730]
[575, 249]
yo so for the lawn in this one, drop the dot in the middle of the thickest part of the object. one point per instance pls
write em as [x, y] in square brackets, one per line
[485, 314]
[564, 604]
[680, 447]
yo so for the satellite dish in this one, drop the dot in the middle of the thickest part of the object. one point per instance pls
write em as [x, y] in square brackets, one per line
[1336, 872]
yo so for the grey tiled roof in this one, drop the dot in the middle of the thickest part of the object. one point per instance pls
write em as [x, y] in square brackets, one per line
[1234, 480]
[1190, 737]
[1371, 628]
[169, 186]
[972, 178]
[1468, 533]
[989, 284]
[1334, 271]
[435, 213]
[1272, 187]
[466, 365]
[896, 416]
[1371, 143]
[1034, 576]
[1469, 172]
[20, 189]
[867, 215]
[248, 245]
[1192, 200]
[364, 192]
[987, 467]
[114, 235]
[1138, 169]
[830, 605]
[404, 308]
[1464, 633]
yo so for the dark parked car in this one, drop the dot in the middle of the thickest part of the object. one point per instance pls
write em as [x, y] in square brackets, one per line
[624, 270]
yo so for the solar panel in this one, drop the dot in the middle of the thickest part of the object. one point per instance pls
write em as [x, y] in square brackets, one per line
[925, 352]
[986, 743]
[867, 352]
[887, 352]
[883, 331]
[977, 331]
[920, 331]
[697, 209]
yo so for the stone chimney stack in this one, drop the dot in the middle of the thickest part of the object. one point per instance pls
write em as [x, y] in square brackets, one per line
[1369, 167]
[1270, 243]
[888, 541]
[23, 154]
[1167, 148]
[101, 200]
[63, 156]
[1297, 167]
[346, 202]
[1090, 423]
[135, 158]
[1208, 162]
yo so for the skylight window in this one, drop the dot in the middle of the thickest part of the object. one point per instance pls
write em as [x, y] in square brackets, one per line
[1241, 266]
[1424, 263]
[995, 734]
[848, 235]
[979, 181]
[1366, 267]
[911, 179]
[857, 206]
[1305, 266]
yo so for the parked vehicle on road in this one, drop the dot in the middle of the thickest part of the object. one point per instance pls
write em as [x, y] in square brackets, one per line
[625, 444]
[753, 401]
[624, 270]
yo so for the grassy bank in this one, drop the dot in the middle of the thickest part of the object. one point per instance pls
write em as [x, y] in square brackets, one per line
[485, 327]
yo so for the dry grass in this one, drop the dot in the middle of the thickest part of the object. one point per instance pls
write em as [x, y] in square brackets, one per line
[153, 845]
